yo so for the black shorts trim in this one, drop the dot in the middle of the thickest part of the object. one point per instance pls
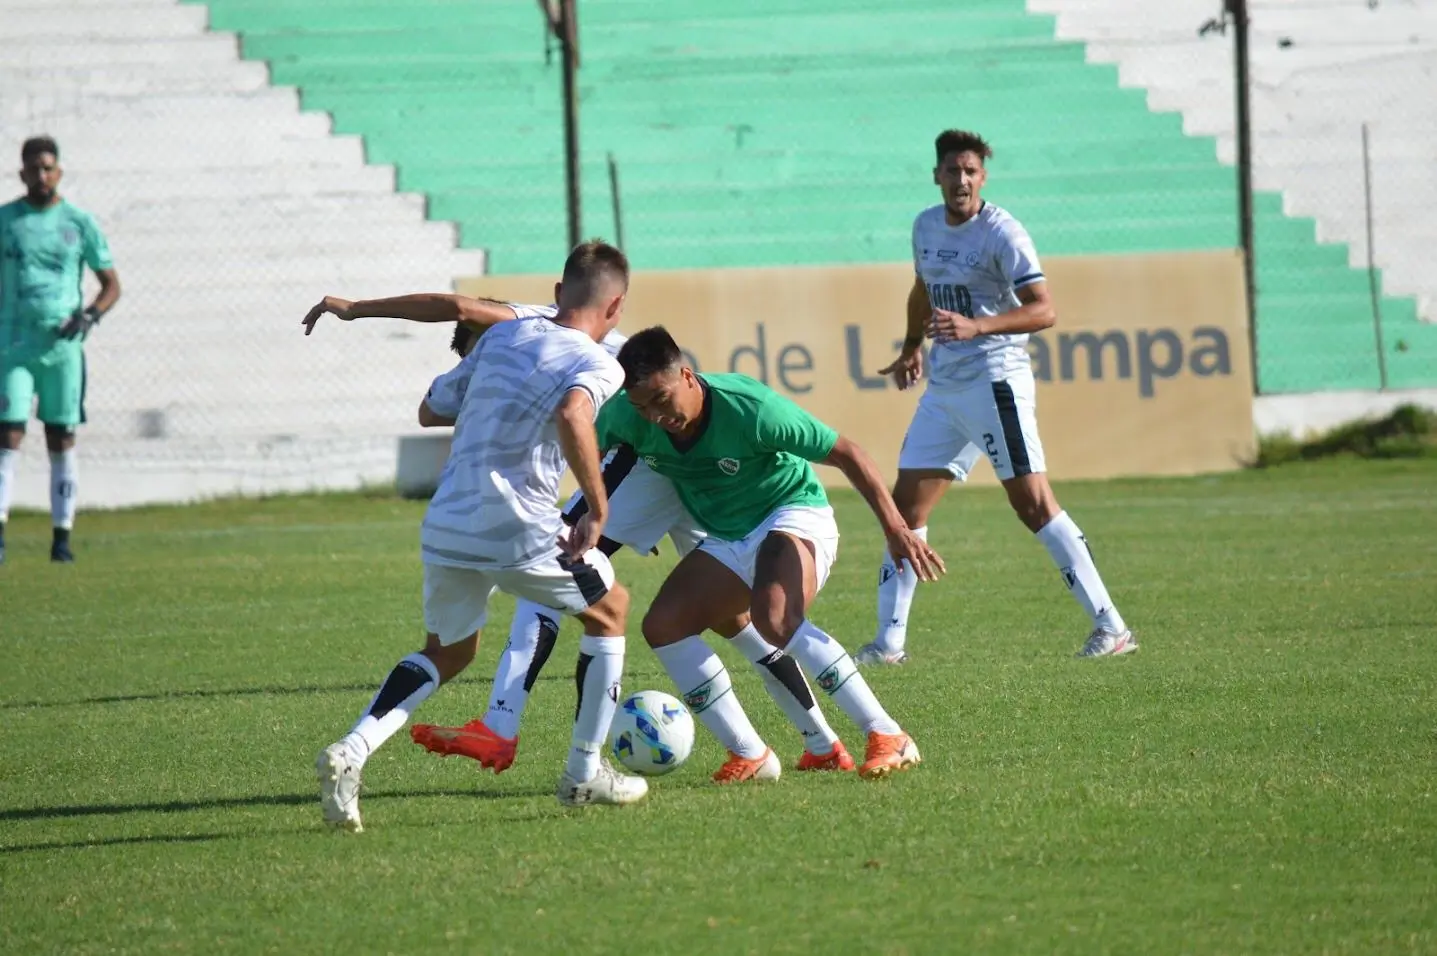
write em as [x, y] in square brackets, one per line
[587, 577]
[1012, 429]
[616, 470]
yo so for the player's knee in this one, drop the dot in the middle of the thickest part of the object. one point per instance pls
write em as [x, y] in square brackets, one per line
[775, 619]
[664, 624]
[1033, 503]
[11, 434]
[59, 438]
[450, 659]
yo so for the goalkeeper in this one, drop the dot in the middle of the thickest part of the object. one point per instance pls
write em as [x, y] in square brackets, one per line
[45, 243]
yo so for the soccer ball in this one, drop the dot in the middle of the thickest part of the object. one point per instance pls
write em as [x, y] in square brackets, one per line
[653, 733]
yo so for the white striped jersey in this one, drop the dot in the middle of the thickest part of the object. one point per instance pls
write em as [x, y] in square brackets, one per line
[497, 503]
[612, 342]
[975, 269]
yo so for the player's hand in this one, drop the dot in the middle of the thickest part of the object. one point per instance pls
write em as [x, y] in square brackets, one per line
[906, 370]
[946, 326]
[331, 304]
[79, 325]
[904, 545]
[582, 538]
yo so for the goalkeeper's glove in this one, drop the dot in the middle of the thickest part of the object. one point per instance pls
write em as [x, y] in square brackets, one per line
[81, 323]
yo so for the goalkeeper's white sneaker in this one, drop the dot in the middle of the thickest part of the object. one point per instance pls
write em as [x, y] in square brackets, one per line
[1106, 643]
[607, 786]
[338, 772]
[871, 655]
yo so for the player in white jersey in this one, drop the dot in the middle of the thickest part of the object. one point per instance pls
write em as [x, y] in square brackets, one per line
[643, 508]
[978, 292]
[522, 403]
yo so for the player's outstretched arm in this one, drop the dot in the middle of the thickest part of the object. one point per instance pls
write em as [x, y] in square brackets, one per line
[907, 369]
[848, 457]
[580, 443]
[417, 307]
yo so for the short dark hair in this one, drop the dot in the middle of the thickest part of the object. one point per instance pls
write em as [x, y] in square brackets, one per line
[38, 146]
[463, 335]
[961, 141]
[648, 352]
[586, 269]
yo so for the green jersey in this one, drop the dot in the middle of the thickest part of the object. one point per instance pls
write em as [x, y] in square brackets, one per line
[42, 257]
[751, 456]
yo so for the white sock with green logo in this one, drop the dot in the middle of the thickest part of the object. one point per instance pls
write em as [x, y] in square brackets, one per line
[707, 690]
[836, 675]
[785, 683]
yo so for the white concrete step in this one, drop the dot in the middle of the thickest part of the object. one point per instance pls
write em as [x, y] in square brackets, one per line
[119, 19]
[85, 185]
[167, 149]
[135, 79]
[51, 52]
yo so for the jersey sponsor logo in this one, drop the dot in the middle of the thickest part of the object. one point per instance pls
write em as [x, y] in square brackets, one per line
[729, 466]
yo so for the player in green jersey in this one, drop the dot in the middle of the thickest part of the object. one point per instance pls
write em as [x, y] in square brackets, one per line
[45, 243]
[739, 456]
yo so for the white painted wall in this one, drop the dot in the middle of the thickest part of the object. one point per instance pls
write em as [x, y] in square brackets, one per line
[1344, 62]
[228, 212]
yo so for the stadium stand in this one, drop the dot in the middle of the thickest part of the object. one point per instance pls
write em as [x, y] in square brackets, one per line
[228, 211]
[767, 132]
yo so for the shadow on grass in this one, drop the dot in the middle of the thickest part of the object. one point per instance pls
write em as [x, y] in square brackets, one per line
[259, 800]
[181, 694]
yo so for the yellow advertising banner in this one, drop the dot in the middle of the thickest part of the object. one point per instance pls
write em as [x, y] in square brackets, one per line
[1146, 372]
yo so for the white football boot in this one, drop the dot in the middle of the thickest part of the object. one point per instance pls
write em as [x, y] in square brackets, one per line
[607, 786]
[1105, 643]
[871, 655]
[338, 772]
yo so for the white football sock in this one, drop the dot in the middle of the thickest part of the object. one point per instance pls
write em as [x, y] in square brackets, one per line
[8, 460]
[836, 675]
[407, 686]
[531, 641]
[895, 599]
[62, 488]
[597, 679]
[1070, 552]
[785, 683]
[707, 690]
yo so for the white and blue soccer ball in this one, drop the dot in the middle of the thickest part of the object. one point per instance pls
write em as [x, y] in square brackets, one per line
[653, 733]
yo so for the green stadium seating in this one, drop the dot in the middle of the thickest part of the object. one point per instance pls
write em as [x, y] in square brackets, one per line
[782, 132]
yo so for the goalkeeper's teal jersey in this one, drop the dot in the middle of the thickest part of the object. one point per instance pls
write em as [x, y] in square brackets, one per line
[751, 458]
[43, 253]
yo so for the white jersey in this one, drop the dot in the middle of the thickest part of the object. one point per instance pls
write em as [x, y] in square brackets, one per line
[612, 342]
[496, 503]
[975, 269]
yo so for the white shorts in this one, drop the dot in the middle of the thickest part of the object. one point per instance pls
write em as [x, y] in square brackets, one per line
[643, 506]
[953, 429]
[456, 600]
[810, 524]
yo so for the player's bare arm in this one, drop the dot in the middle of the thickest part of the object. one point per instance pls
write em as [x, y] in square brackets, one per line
[848, 457]
[416, 307]
[580, 444]
[1035, 315]
[429, 418]
[907, 369]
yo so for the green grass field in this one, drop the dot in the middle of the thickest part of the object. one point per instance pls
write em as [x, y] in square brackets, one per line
[1260, 778]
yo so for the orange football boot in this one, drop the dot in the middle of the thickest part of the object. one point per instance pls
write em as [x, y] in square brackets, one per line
[888, 753]
[474, 740]
[835, 759]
